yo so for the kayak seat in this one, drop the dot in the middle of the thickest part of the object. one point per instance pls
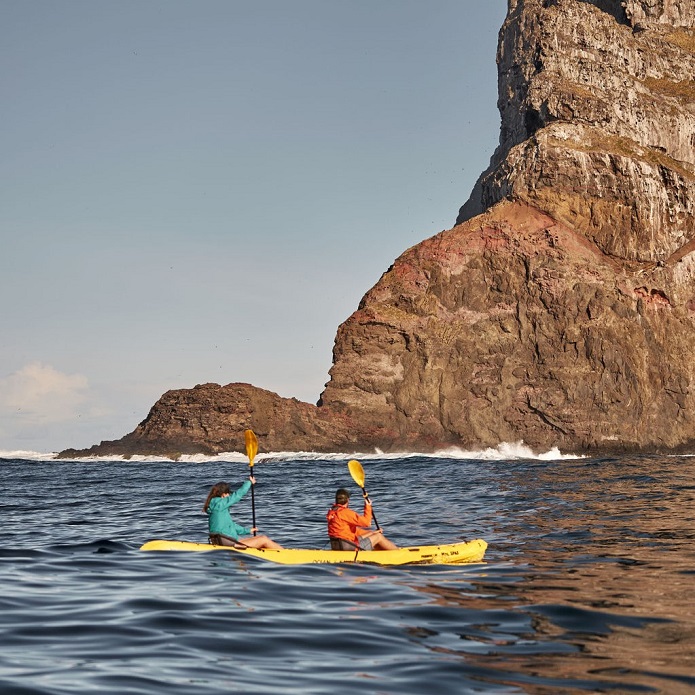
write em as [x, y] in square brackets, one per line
[221, 539]
[342, 544]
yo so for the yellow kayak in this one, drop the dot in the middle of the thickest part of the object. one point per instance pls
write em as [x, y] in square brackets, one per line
[449, 554]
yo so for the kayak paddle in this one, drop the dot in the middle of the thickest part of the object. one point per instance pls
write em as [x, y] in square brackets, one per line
[357, 473]
[251, 451]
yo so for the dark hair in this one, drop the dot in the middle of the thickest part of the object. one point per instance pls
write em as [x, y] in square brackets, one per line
[217, 490]
[342, 496]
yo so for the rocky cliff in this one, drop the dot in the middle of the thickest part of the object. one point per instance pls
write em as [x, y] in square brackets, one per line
[560, 310]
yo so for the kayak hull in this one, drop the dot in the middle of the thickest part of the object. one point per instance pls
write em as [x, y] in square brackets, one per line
[448, 554]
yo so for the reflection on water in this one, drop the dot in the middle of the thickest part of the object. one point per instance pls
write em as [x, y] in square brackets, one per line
[599, 595]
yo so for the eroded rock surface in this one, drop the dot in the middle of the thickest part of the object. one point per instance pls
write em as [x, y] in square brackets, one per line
[598, 121]
[515, 326]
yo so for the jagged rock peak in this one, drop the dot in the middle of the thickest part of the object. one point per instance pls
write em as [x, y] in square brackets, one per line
[597, 101]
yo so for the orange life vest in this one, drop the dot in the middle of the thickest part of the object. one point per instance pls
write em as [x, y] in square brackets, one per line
[344, 523]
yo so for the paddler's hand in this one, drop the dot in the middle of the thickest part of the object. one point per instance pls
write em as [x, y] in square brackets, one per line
[252, 479]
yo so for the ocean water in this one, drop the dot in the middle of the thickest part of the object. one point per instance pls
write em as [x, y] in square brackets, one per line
[588, 584]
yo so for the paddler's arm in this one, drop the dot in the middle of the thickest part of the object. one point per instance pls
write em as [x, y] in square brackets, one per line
[241, 530]
[235, 496]
[366, 518]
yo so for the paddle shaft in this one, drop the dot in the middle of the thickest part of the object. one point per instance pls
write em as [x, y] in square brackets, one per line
[253, 500]
[366, 498]
[251, 443]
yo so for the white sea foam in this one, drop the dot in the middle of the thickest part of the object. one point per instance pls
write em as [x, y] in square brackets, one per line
[503, 452]
[27, 455]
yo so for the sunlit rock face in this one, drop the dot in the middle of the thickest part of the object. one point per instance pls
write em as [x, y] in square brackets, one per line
[514, 326]
[560, 310]
[598, 121]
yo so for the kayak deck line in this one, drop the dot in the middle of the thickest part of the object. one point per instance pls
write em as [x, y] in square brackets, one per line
[464, 552]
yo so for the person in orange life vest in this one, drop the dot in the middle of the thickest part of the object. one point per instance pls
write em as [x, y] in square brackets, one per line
[348, 530]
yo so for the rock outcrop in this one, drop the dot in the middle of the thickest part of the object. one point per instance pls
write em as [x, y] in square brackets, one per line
[560, 310]
[210, 419]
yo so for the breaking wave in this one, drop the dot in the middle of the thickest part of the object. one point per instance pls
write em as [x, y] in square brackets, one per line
[502, 452]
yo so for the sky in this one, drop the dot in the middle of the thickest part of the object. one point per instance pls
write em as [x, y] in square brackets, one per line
[202, 191]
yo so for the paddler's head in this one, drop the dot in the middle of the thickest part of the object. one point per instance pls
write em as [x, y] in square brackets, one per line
[342, 496]
[217, 490]
[221, 489]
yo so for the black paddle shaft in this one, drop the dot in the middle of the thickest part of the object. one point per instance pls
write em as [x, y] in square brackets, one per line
[366, 497]
[253, 501]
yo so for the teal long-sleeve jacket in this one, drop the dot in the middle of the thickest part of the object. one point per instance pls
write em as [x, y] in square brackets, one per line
[219, 519]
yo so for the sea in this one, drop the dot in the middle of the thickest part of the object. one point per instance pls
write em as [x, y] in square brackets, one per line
[588, 583]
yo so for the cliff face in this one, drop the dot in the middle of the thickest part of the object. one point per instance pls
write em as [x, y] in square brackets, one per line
[515, 326]
[560, 310]
[598, 121]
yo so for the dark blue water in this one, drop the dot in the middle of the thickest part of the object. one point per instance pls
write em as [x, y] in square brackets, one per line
[589, 583]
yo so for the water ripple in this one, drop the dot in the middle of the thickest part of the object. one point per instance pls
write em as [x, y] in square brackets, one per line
[587, 587]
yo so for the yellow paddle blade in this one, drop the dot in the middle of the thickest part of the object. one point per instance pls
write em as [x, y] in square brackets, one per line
[357, 472]
[251, 445]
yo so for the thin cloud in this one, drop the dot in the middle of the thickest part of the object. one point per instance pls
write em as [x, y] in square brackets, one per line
[40, 394]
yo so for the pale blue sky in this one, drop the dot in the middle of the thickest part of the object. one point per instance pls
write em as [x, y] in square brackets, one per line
[202, 191]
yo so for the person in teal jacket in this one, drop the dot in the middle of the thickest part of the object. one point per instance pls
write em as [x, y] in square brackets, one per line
[222, 528]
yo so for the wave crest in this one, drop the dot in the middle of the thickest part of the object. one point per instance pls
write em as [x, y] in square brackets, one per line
[502, 452]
